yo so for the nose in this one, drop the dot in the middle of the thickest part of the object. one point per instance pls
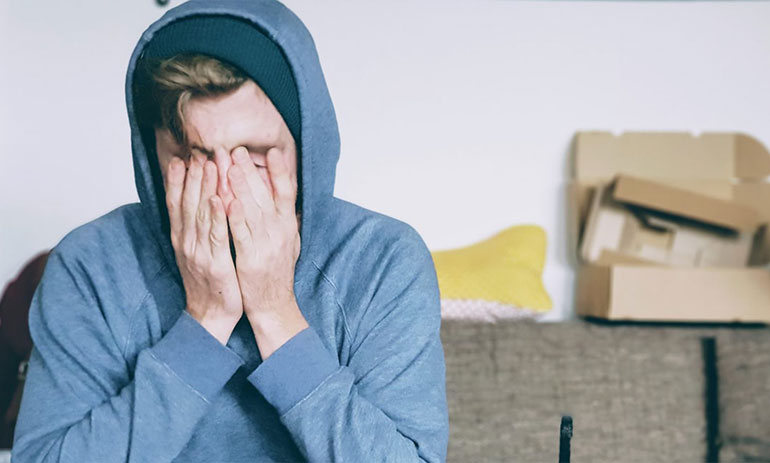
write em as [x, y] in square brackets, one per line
[223, 161]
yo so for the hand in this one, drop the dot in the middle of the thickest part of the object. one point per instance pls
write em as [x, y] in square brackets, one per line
[267, 244]
[202, 248]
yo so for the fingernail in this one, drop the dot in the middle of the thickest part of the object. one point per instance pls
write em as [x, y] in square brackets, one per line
[241, 154]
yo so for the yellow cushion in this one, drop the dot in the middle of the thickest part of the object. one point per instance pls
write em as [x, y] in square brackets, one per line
[506, 268]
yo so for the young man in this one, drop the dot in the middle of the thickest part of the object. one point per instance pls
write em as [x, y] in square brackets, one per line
[239, 312]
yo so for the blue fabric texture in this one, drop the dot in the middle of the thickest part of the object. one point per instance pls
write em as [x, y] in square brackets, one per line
[306, 354]
[120, 372]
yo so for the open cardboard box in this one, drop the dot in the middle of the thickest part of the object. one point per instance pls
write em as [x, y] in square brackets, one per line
[720, 179]
[633, 220]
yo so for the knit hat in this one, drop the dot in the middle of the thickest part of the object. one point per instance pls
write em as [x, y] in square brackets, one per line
[241, 44]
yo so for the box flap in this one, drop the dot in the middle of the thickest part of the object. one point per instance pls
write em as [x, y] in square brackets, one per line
[719, 157]
[752, 161]
[662, 197]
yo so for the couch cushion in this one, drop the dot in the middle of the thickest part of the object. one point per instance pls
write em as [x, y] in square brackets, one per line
[744, 395]
[635, 393]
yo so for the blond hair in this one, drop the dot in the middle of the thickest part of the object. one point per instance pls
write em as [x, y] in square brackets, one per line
[167, 85]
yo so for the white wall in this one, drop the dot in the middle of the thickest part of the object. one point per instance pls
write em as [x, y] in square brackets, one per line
[456, 116]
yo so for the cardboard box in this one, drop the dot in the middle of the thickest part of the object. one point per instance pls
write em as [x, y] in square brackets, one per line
[633, 292]
[635, 220]
[714, 178]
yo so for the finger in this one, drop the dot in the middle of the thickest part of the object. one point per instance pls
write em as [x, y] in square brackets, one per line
[209, 181]
[174, 186]
[223, 158]
[252, 211]
[190, 200]
[283, 188]
[258, 188]
[203, 218]
[238, 227]
[218, 239]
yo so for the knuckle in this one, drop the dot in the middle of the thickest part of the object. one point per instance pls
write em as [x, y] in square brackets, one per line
[188, 248]
[201, 216]
[216, 237]
[199, 260]
[187, 205]
[218, 273]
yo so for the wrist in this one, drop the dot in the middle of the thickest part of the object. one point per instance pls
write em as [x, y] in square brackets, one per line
[272, 329]
[274, 316]
[219, 327]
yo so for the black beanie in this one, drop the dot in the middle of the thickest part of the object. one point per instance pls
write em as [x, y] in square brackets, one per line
[241, 44]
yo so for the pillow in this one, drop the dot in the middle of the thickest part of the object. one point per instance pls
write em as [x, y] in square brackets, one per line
[499, 277]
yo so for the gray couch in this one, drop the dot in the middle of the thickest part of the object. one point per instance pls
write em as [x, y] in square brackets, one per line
[637, 393]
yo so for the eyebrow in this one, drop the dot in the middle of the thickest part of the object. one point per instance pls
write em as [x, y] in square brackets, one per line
[252, 148]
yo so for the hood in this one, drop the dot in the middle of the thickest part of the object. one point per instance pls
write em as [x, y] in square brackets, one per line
[318, 145]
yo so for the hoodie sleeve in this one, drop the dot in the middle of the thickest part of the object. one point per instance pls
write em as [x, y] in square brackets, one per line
[83, 402]
[389, 402]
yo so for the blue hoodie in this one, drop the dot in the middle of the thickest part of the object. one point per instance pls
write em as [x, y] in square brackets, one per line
[121, 372]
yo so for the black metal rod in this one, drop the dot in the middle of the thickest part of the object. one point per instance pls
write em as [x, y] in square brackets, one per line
[565, 436]
[711, 393]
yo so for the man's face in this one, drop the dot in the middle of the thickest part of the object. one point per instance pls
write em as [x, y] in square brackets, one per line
[215, 126]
